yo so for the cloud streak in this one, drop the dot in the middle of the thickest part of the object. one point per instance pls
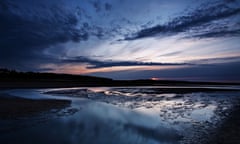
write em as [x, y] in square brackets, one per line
[202, 20]
[104, 64]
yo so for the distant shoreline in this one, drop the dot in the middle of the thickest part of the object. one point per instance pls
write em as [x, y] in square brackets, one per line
[69, 84]
[10, 79]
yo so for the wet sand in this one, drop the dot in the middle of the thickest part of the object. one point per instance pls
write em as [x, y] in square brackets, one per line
[229, 130]
[12, 107]
[214, 113]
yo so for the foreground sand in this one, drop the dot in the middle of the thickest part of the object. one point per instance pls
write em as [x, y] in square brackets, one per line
[14, 107]
[229, 131]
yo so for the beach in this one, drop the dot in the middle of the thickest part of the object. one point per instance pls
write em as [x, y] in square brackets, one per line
[12, 107]
[141, 114]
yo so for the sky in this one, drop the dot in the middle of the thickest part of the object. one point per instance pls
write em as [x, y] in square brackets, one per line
[123, 39]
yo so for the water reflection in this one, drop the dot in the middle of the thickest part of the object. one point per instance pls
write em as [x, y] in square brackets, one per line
[95, 123]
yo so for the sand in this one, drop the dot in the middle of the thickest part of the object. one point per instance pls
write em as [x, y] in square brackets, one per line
[13, 107]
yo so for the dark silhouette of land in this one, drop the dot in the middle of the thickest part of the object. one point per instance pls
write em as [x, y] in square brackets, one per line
[15, 79]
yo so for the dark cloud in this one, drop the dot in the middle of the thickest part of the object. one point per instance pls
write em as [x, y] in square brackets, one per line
[215, 60]
[108, 6]
[3, 5]
[26, 32]
[221, 33]
[29, 28]
[202, 20]
[217, 72]
[230, 1]
[102, 64]
[97, 5]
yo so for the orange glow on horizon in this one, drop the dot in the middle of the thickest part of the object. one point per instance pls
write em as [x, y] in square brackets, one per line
[155, 78]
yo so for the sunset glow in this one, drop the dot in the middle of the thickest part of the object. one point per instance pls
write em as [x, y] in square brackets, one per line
[154, 78]
[121, 40]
